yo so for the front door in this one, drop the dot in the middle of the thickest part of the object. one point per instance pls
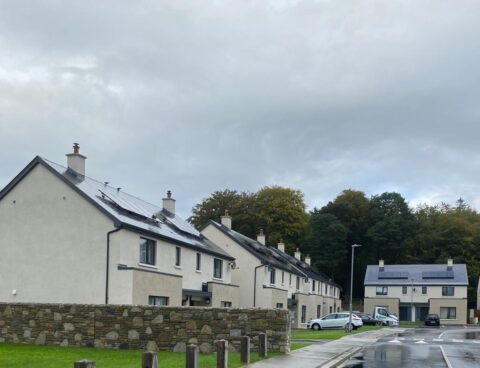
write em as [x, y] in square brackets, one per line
[405, 313]
[421, 313]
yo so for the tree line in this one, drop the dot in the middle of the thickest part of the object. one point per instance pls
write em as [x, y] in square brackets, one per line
[384, 224]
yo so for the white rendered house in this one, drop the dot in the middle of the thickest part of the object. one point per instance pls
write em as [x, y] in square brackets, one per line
[415, 290]
[67, 238]
[270, 278]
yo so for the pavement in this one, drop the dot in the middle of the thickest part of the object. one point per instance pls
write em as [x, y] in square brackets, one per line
[327, 355]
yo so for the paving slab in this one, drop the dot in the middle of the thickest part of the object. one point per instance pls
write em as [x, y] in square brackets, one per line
[326, 355]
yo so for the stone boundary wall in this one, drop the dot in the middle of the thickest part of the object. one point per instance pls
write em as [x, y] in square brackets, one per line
[141, 327]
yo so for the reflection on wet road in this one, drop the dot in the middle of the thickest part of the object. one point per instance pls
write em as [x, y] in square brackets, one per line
[422, 347]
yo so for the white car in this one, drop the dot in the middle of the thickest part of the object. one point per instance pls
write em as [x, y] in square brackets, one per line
[335, 320]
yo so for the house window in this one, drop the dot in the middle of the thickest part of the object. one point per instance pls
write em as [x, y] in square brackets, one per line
[424, 290]
[330, 309]
[304, 314]
[157, 300]
[226, 304]
[382, 290]
[283, 278]
[279, 305]
[178, 256]
[313, 286]
[217, 268]
[147, 251]
[448, 312]
[199, 262]
[298, 283]
[326, 290]
[319, 311]
[404, 289]
[319, 287]
[272, 276]
[448, 291]
[290, 281]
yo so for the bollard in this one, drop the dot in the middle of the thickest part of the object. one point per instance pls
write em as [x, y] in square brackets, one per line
[262, 345]
[149, 359]
[192, 356]
[84, 363]
[222, 354]
[245, 349]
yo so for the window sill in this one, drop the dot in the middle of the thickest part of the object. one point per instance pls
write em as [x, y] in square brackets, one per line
[198, 271]
[216, 279]
[178, 267]
[146, 265]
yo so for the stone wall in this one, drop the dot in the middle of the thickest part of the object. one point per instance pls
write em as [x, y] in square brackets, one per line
[140, 327]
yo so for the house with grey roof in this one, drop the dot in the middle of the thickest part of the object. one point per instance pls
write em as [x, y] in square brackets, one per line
[415, 290]
[268, 277]
[68, 238]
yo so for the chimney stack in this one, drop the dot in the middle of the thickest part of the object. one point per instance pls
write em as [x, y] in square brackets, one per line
[281, 247]
[449, 264]
[381, 264]
[76, 161]
[169, 203]
[261, 237]
[308, 260]
[298, 255]
[226, 220]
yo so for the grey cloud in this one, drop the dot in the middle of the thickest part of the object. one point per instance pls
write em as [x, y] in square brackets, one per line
[199, 96]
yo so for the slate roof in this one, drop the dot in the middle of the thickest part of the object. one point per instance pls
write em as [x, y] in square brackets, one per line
[126, 210]
[272, 256]
[417, 274]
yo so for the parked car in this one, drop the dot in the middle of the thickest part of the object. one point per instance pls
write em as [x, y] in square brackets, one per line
[432, 320]
[368, 320]
[335, 320]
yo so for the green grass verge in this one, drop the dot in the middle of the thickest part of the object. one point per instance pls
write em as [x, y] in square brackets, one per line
[329, 334]
[298, 345]
[409, 323]
[33, 356]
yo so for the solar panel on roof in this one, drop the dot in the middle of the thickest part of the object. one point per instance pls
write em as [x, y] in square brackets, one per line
[392, 275]
[437, 274]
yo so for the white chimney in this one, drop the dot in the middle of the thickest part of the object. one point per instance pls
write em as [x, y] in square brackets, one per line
[381, 264]
[76, 161]
[226, 220]
[450, 263]
[308, 260]
[261, 237]
[281, 247]
[298, 255]
[169, 203]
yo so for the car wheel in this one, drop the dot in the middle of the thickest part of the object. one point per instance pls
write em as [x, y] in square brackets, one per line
[316, 327]
[378, 323]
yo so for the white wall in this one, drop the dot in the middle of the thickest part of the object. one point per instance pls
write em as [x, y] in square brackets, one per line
[52, 243]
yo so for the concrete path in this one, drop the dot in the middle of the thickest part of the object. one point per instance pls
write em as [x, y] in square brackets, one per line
[326, 355]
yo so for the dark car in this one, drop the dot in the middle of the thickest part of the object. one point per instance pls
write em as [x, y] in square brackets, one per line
[432, 320]
[368, 320]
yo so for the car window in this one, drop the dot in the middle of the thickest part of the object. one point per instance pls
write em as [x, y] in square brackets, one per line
[329, 316]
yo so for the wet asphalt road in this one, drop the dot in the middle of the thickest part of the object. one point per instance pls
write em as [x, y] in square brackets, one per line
[422, 347]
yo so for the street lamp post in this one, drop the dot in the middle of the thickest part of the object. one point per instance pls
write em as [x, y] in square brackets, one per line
[351, 287]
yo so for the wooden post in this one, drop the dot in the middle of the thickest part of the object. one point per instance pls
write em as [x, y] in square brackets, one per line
[245, 349]
[262, 345]
[192, 356]
[222, 354]
[84, 363]
[149, 359]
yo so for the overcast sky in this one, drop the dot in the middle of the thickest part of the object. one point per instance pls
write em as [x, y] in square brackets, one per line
[198, 96]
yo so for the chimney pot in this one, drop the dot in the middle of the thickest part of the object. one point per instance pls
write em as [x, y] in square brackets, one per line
[298, 255]
[450, 263]
[281, 247]
[381, 264]
[308, 260]
[76, 161]
[226, 220]
[261, 237]
[169, 203]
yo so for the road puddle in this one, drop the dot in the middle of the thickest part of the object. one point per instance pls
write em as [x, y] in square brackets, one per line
[472, 335]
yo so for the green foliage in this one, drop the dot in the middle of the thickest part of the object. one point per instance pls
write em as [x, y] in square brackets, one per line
[281, 212]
